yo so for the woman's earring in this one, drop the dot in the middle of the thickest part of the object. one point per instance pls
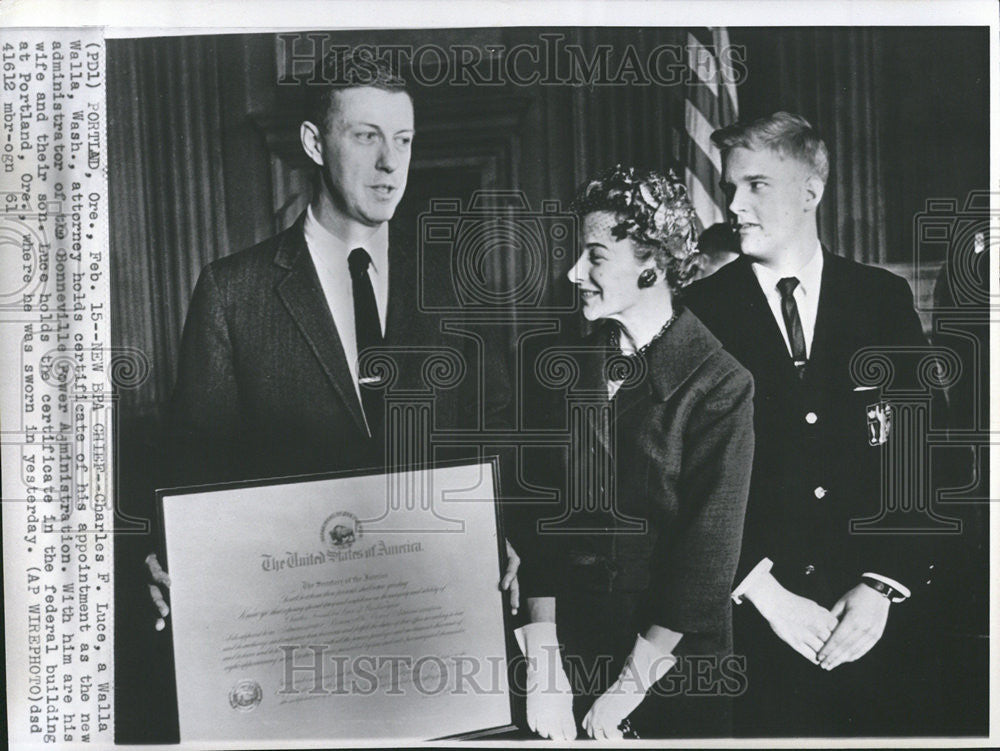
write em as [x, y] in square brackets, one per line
[647, 279]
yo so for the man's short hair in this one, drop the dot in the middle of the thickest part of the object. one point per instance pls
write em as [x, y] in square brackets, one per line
[347, 69]
[785, 133]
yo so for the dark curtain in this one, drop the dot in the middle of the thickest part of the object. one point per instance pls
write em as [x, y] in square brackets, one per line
[166, 198]
[833, 77]
[167, 221]
[641, 124]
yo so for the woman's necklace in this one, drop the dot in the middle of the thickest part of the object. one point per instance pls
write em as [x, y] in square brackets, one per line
[615, 339]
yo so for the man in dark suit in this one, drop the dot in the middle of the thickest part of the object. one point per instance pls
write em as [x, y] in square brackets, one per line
[268, 379]
[272, 378]
[794, 314]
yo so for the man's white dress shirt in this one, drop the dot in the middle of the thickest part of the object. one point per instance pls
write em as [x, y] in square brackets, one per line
[329, 254]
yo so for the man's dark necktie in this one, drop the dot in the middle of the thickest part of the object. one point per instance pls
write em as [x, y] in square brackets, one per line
[368, 330]
[790, 312]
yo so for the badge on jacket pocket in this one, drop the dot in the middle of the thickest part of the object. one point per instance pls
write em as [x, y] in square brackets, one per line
[879, 423]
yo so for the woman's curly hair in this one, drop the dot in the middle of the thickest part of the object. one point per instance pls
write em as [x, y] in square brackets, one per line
[653, 210]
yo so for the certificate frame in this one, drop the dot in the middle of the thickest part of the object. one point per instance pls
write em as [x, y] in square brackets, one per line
[493, 461]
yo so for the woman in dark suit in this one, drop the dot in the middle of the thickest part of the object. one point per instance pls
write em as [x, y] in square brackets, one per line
[635, 577]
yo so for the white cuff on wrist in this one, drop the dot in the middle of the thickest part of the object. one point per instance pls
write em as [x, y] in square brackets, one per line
[763, 567]
[541, 632]
[904, 591]
[648, 662]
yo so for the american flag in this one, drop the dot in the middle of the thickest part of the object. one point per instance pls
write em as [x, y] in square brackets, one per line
[710, 104]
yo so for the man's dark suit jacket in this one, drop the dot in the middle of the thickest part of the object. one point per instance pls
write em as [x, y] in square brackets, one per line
[814, 470]
[263, 386]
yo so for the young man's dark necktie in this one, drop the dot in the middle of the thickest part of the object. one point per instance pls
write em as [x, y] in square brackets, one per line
[369, 332]
[790, 312]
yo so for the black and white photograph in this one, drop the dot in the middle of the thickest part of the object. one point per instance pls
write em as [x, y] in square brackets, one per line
[621, 381]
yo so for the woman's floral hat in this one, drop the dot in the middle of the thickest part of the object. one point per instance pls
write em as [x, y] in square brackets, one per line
[653, 210]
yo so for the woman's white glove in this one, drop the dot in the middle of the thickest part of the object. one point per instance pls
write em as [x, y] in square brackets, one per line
[549, 695]
[644, 667]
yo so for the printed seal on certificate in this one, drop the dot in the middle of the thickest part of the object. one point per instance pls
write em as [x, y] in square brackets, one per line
[340, 530]
[246, 695]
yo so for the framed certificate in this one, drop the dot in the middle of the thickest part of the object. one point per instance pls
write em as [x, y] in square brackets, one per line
[338, 608]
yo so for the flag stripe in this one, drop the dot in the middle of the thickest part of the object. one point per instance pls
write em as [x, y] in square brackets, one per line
[701, 98]
[704, 205]
[704, 35]
[710, 103]
[702, 61]
[705, 172]
[728, 109]
[700, 131]
[704, 180]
